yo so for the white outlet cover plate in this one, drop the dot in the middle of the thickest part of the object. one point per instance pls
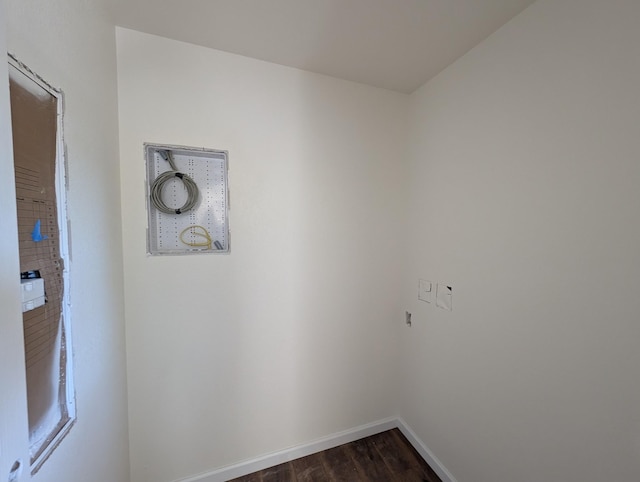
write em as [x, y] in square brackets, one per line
[444, 295]
[425, 290]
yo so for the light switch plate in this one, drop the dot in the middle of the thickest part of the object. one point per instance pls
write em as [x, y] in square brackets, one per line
[425, 290]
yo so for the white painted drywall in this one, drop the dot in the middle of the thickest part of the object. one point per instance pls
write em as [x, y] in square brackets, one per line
[14, 426]
[525, 197]
[523, 191]
[72, 45]
[291, 336]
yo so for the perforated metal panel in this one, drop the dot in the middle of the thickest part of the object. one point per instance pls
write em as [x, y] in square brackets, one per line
[205, 227]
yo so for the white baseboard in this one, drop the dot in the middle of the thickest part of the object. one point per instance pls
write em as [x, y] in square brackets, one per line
[424, 451]
[269, 460]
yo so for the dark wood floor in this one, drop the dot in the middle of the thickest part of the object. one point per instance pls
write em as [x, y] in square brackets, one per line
[387, 456]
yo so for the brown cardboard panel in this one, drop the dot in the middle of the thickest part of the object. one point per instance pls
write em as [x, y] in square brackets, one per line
[34, 123]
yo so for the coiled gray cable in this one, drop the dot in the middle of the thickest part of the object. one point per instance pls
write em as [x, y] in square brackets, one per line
[162, 179]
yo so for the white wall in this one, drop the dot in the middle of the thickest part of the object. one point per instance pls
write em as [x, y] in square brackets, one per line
[71, 44]
[292, 336]
[14, 427]
[525, 191]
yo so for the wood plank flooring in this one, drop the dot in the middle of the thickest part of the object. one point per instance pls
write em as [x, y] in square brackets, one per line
[385, 457]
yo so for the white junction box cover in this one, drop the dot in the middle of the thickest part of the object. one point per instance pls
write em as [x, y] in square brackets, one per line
[32, 293]
[424, 290]
[444, 295]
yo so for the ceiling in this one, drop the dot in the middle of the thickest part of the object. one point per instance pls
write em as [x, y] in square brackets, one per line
[393, 44]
